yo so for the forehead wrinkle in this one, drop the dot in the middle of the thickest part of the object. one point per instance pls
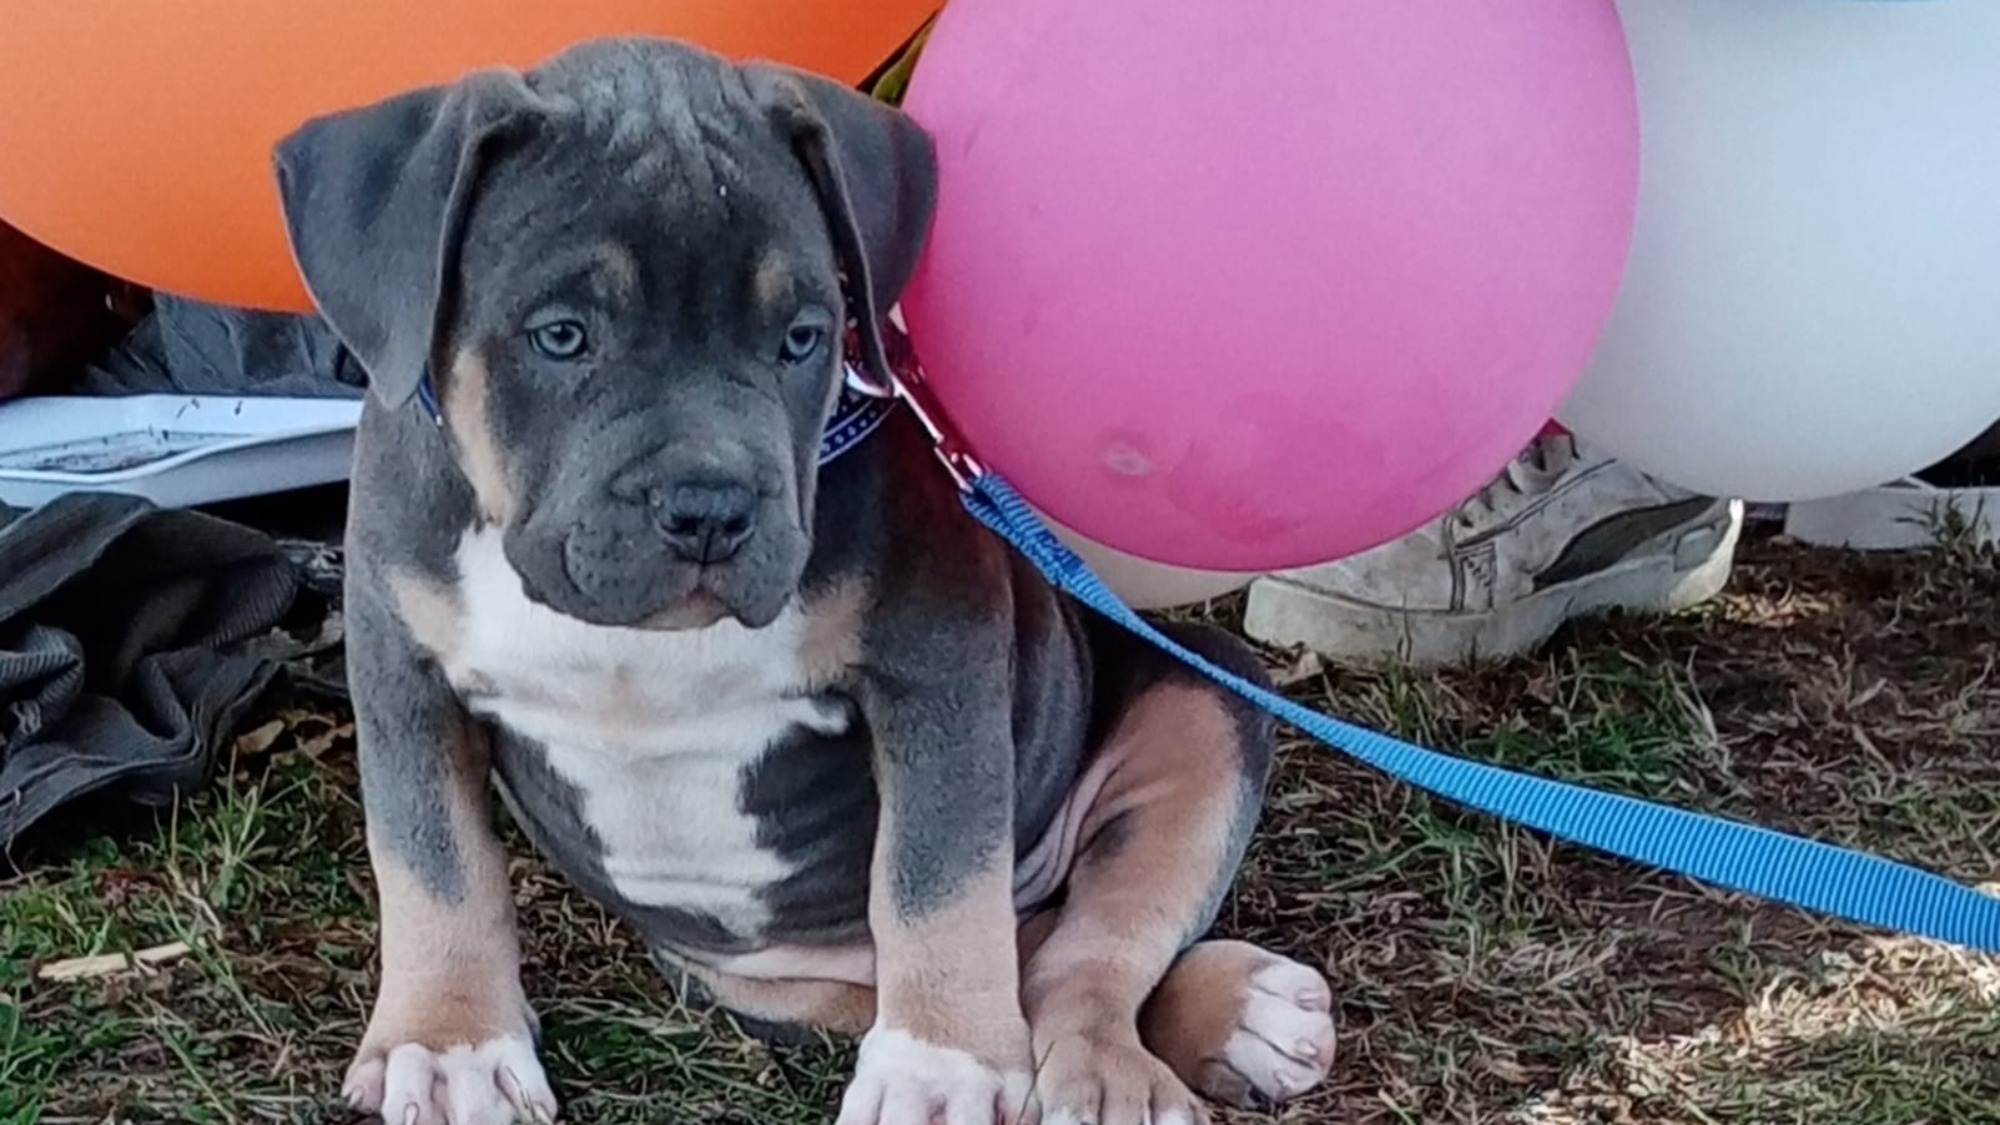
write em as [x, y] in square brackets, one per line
[583, 279]
[718, 141]
[505, 223]
[644, 156]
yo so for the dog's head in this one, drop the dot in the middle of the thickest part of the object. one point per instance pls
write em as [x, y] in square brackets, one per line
[623, 272]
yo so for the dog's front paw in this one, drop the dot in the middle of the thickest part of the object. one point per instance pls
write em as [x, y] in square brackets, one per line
[497, 1082]
[901, 1080]
[1090, 1079]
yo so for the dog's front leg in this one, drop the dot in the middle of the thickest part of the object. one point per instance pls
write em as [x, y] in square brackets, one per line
[451, 1040]
[950, 1043]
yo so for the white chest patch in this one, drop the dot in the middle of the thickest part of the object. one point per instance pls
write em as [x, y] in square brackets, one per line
[654, 729]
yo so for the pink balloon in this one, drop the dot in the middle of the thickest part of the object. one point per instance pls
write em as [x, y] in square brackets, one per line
[1247, 287]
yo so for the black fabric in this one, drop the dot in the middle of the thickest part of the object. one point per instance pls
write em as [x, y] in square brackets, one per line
[116, 676]
[1977, 465]
[191, 347]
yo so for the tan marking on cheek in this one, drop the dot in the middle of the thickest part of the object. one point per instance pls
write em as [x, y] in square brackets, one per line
[773, 280]
[430, 612]
[467, 405]
[832, 643]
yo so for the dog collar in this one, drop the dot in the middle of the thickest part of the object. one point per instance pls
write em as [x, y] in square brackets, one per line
[855, 416]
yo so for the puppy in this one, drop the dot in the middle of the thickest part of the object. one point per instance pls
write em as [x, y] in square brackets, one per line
[839, 756]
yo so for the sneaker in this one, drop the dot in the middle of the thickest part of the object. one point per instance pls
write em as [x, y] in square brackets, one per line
[1560, 534]
[1955, 500]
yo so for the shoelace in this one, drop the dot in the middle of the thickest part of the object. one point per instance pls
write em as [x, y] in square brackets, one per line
[1532, 473]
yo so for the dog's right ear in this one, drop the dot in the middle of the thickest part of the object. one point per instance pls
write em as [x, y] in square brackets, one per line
[375, 201]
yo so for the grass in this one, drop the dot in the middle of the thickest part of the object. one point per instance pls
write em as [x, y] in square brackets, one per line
[1485, 974]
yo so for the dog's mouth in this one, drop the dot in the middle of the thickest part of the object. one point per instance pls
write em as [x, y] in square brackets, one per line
[692, 599]
[678, 603]
[701, 609]
[716, 597]
[628, 581]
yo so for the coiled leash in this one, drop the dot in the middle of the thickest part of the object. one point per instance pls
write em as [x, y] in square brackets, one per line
[1835, 881]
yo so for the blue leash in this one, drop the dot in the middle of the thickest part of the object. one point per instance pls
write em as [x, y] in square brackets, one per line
[1835, 881]
[1742, 857]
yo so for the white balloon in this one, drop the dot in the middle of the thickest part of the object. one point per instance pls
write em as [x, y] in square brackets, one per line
[1812, 304]
[1144, 584]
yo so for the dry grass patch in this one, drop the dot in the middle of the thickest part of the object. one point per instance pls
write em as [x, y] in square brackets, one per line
[1485, 974]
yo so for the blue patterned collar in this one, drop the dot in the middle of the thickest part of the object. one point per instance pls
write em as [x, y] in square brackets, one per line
[855, 416]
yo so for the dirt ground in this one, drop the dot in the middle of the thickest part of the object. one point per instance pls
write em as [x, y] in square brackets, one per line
[1484, 974]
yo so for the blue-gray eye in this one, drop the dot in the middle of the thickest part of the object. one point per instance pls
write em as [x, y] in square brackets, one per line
[802, 343]
[560, 339]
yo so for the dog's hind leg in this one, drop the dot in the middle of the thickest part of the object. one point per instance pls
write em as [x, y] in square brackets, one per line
[1241, 1024]
[1157, 828]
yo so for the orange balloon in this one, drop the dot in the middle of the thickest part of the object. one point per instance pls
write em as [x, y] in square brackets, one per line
[137, 136]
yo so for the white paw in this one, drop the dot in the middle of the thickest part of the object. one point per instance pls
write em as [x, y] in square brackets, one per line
[902, 1080]
[498, 1082]
[1283, 1043]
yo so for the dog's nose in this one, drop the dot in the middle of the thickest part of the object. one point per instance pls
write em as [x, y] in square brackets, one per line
[706, 521]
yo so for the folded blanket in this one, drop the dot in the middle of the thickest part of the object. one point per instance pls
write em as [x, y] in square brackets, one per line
[116, 675]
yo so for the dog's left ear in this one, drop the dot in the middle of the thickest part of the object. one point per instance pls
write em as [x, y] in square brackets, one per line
[875, 171]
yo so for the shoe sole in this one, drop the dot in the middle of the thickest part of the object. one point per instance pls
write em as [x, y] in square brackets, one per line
[1677, 571]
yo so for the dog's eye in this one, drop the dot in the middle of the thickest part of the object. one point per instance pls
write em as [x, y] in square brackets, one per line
[560, 339]
[802, 343]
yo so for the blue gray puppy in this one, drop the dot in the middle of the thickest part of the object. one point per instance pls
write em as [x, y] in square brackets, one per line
[842, 760]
